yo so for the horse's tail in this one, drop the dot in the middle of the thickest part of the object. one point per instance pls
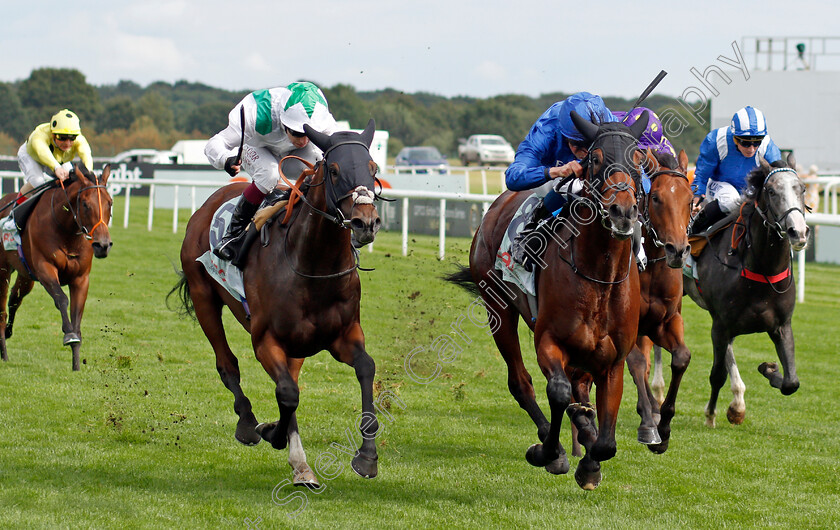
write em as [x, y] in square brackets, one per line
[183, 293]
[464, 279]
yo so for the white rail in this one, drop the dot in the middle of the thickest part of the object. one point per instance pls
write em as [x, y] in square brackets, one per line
[831, 184]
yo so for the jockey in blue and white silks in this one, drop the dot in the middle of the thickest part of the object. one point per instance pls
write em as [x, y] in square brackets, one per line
[727, 155]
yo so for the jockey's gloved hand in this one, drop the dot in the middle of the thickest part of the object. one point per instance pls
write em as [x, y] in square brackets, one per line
[232, 166]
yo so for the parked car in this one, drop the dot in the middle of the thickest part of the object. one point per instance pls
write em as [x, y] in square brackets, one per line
[485, 149]
[425, 156]
[152, 156]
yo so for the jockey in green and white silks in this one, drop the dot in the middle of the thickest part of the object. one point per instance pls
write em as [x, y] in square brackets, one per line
[273, 120]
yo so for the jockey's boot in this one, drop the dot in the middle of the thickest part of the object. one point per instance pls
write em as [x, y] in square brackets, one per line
[708, 216]
[242, 215]
[520, 248]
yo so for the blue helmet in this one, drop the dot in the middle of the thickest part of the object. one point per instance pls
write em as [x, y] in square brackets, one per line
[589, 106]
[748, 122]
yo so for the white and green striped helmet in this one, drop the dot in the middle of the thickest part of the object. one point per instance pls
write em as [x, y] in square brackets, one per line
[303, 102]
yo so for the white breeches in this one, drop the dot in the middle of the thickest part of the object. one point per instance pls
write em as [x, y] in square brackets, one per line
[727, 196]
[262, 164]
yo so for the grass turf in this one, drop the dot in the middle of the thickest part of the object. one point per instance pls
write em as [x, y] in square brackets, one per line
[142, 436]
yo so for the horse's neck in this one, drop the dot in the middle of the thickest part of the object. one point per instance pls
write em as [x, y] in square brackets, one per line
[58, 208]
[768, 253]
[318, 239]
[612, 256]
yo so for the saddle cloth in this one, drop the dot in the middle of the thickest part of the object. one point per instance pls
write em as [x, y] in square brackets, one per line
[228, 275]
[511, 271]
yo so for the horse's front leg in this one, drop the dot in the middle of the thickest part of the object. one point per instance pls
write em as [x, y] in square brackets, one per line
[608, 391]
[672, 340]
[552, 361]
[48, 277]
[78, 296]
[303, 474]
[638, 366]
[723, 364]
[788, 383]
[350, 349]
[275, 362]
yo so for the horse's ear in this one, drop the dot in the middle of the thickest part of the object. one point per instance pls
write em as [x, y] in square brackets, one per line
[367, 134]
[764, 165]
[106, 172]
[791, 161]
[588, 129]
[319, 139]
[682, 161]
[640, 125]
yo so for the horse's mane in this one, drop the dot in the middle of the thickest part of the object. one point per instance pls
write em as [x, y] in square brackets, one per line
[756, 178]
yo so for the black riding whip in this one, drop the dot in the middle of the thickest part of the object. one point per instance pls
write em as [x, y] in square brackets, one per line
[649, 89]
[238, 160]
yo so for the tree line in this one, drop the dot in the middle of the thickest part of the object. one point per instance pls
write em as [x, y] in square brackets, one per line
[126, 115]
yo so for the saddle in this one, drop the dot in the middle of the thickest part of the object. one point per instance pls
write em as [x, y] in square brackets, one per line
[274, 203]
[699, 241]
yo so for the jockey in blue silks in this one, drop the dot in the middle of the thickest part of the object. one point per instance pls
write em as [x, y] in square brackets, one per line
[553, 148]
[727, 155]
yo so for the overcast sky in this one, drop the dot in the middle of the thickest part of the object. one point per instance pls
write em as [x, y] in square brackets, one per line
[468, 47]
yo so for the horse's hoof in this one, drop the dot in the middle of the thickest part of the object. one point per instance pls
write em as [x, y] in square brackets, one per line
[658, 448]
[71, 338]
[559, 466]
[246, 434]
[735, 417]
[587, 479]
[648, 436]
[365, 466]
[768, 369]
[303, 476]
[534, 455]
[267, 432]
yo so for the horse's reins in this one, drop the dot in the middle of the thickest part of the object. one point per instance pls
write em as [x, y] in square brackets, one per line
[598, 207]
[654, 236]
[88, 234]
[360, 194]
[774, 225]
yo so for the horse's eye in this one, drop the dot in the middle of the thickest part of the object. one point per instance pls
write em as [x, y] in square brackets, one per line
[654, 198]
[771, 191]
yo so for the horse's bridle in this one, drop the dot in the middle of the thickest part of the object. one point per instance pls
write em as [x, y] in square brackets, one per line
[617, 187]
[774, 221]
[597, 204]
[360, 195]
[88, 234]
[654, 237]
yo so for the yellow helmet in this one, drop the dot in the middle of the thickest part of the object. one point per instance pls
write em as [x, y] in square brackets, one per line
[65, 122]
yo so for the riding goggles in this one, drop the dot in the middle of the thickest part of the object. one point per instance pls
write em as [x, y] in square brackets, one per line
[65, 137]
[749, 142]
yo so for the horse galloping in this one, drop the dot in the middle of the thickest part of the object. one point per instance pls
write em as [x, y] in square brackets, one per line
[67, 228]
[303, 292]
[745, 281]
[665, 212]
[587, 304]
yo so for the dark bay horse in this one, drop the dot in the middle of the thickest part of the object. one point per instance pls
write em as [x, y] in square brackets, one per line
[665, 211]
[303, 292]
[746, 282]
[587, 304]
[67, 228]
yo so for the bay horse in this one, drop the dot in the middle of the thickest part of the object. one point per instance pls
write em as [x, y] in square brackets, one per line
[746, 282]
[587, 304]
[302, 290]
[665, 213]
[67, 228]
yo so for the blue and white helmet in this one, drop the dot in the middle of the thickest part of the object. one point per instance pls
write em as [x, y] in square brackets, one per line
[748, 122]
